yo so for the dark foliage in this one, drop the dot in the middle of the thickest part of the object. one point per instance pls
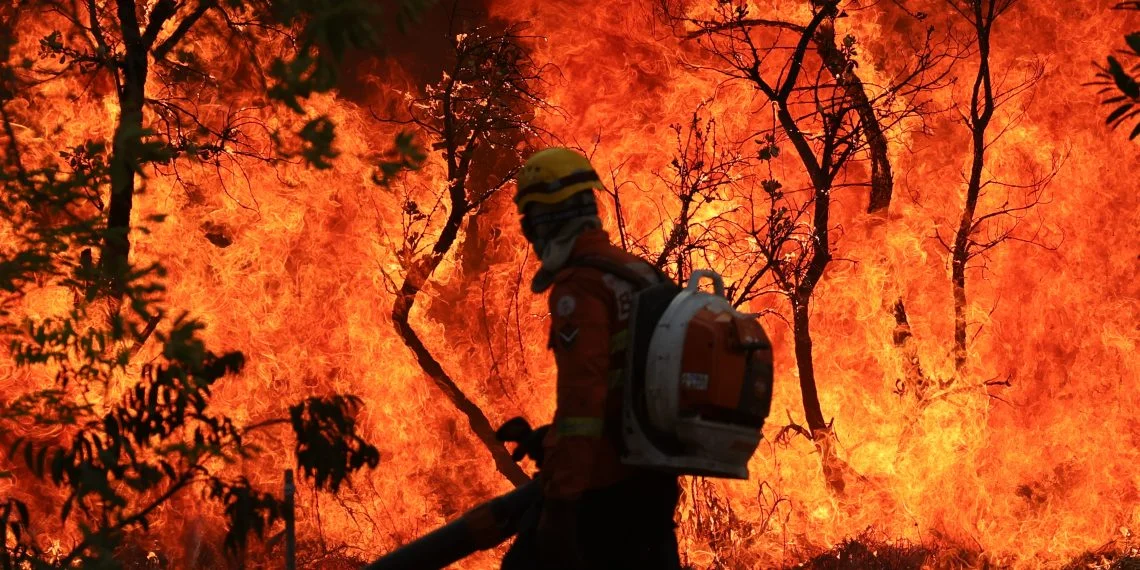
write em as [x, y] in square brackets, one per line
[119, 441]
[328, 449]
[1119, 79]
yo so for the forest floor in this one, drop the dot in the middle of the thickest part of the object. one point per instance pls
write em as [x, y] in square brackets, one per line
[864, 554]
[858, 553]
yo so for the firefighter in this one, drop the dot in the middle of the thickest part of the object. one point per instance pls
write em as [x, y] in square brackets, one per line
[596, 513]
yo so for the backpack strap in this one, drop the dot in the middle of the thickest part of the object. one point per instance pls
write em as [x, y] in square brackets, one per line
[628, 349]
[620, 348]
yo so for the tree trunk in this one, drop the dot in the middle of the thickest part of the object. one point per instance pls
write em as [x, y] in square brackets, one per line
[806, 366]
[982, 107]
[124, 159]
[821, 433]
[960, 253]
[958, 281]
[915, 380]
[417, 276]
[475, 417]
[882, 180]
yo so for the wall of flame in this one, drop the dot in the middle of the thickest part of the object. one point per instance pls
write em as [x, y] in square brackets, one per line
[305, 291]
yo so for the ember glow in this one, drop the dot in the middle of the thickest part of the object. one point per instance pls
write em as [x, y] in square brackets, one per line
[1029, 458]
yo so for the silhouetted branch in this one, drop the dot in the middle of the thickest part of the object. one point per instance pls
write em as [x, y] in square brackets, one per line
[483, 105]
[183, 28]
[985, 100]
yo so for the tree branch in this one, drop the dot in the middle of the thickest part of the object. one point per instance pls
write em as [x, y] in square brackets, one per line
[714, 27]
[123, 524]
[96, 28]
[826, 11]
[184, 26]
[162, 11]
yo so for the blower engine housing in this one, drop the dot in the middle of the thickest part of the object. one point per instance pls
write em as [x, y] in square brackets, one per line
[698, 386]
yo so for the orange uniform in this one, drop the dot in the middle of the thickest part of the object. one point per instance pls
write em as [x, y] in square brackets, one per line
[588, 334]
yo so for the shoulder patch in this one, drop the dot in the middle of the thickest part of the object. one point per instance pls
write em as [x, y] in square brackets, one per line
[566, 305]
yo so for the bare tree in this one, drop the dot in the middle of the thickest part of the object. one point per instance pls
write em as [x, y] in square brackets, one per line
[720, 221]
[478, 112]
[836, 56]
[819, 107]
[702, 175]
[701, 169]
[980, 230]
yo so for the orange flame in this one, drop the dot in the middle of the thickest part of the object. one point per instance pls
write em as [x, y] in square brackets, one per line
[304, 285]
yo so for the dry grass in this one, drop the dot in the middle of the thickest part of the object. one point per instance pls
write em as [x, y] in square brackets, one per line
[1116, 555]
[868, 552]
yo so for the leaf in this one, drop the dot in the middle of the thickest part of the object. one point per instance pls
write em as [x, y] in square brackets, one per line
[1119, 112]
[28, 456]
[329, 449]
[40, 457]
[1124, 82]
[407, 155]
[1133, 41]
[318, 136]
[15, 446]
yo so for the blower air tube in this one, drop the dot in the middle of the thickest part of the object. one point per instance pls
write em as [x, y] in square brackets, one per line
[486, 526]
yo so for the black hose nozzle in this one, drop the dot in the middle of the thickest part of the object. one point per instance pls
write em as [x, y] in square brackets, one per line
[483, 527]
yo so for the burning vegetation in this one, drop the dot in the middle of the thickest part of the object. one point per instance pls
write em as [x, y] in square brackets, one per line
[245, 237]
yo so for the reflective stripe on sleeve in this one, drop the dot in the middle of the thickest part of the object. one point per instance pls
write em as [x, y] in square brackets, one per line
[619, 341]
[580, 426]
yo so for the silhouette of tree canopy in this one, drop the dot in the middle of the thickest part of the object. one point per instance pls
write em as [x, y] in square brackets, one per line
[117, 440]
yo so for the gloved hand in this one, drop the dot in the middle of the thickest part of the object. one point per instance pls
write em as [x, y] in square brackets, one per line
[518, 430]
[557, 536]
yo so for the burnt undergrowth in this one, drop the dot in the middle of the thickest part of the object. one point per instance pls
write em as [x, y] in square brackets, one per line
[1115, 555]
[867, 551]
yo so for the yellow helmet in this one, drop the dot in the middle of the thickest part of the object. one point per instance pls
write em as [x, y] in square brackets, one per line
[553, 175]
